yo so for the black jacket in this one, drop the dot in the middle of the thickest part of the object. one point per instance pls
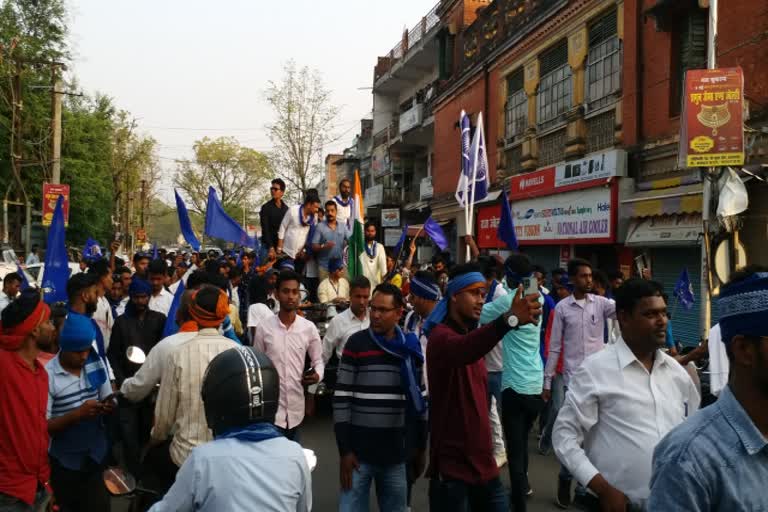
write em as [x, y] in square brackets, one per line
[132, 331]
[271, 216]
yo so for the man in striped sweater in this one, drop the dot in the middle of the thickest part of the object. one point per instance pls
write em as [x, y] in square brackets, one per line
[379, 399]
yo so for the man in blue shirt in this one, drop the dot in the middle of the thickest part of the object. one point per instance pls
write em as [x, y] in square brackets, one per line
[249, 465]
[79, 395]
[718, 459]
[521, 382]
[328, 240]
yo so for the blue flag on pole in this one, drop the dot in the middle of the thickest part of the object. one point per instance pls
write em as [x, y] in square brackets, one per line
[506, 229]
[435, 232]
[474, 163]
[155, 256]
[92, 251]
[185, 224]
[56, 271]
[684, 290]
[170, 321]
[401, 241]
[220, 225]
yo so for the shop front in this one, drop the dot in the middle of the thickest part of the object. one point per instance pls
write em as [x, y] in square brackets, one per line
[562, 211]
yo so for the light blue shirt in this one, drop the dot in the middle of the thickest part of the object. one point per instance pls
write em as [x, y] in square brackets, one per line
[716, 461]
[324, 233]
[523, 370]
[234, 475]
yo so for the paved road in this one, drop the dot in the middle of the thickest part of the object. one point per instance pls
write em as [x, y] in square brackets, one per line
[317, 434]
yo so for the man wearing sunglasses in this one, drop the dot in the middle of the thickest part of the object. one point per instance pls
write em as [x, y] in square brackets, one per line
[271, 215]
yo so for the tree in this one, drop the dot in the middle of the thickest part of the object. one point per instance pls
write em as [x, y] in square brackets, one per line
[235, 171]
[304, 118]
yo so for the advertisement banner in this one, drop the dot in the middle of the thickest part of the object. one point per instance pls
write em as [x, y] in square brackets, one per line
[390, 217]
[712, 129]
[391, 237]
[581, 216]
[51, 194]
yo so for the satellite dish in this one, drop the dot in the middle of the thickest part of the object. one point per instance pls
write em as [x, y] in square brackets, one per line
[723, 265]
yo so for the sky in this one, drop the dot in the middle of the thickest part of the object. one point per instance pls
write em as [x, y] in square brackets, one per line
[186, 69]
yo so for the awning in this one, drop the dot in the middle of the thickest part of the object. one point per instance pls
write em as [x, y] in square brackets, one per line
[665, 230]
[678, 200]
[416, 206]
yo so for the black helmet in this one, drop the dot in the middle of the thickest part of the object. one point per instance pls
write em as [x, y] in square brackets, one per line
[241, 386]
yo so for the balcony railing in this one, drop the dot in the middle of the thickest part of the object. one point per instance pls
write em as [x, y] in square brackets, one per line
[388, 134]
[414, 35]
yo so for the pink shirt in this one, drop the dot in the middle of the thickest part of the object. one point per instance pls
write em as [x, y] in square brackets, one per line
[578, 332]
[287, 347]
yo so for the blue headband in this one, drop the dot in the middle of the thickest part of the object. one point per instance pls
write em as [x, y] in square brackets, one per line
[424, 289]
[743, 307]
[287, 264]
[77, 333]
[335, 264]
[139, 287]
[455, 285]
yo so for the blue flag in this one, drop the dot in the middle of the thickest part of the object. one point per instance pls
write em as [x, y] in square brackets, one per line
[435, 232]
[92, 251]
[185, 224]
[684, 290]
[220, 225]
[506, 229]
[56, 271]
[401, 241]
[155, 256]
[170, 321]
[474, 163]
[24, 280]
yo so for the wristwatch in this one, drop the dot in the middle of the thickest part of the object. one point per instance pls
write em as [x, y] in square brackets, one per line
[513, 321]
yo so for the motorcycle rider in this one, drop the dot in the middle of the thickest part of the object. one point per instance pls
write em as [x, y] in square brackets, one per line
[249, 465]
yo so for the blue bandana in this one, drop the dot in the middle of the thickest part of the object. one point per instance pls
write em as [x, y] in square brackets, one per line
[743, 308]
[77, 335]
[425, 290]
[342, 202]
[252, 433]
[405, 347]
[455, 285]
[139, 287]
[335, 264]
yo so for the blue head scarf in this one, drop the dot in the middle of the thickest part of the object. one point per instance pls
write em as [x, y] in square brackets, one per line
[77, 335]
[139, 287]
[743, 307]
[425, 289]
[455, 285]
[335, 264]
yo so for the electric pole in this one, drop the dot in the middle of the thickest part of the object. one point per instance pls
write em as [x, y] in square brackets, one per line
[56, 94]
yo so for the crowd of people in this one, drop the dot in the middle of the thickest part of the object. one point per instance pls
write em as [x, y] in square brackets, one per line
[443, 371]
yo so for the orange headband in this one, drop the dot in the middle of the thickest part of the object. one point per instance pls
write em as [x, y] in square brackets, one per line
[205, 318]
[11, 338]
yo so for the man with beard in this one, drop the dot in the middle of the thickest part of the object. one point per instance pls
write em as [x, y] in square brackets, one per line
[25, 329]
[621, 402]
[143, 328]
[83, 293]
[344, 202]
[717, 460]
[286, 338]
[328, 240]
[463, 471]
[374, 258]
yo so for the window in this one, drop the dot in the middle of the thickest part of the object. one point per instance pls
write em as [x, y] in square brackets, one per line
[516, 114]
[514, 160]
[689, 52]
[447, 43]
[601, 131]
[554, 97]
[552, 148]
[603, 62]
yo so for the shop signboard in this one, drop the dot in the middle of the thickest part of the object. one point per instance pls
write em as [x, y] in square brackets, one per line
[51, 193]
[581, 216]
[391, 237]
[712, 127]
[390, 217]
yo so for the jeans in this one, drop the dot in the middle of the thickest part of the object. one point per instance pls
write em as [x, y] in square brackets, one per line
[135, 425]
[518, 412]
[391, 489]
[554, 405]
[13, 504]
[446, 495]
[494, 387]
[80, 490]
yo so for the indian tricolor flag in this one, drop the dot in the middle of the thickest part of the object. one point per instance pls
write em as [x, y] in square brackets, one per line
[356, 245]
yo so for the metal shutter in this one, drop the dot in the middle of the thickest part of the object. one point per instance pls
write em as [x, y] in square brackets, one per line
[667, 264]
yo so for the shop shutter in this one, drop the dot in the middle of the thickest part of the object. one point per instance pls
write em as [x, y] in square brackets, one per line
[667, 264]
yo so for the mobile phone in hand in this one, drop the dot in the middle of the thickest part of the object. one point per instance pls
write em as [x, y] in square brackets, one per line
[530, 286]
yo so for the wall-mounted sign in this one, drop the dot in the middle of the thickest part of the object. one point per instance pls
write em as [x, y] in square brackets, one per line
[51, 194]
[390, 217]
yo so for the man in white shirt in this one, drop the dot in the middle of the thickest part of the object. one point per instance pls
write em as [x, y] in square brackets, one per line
[621, 402]
[286, 338]
[103, 315]
[161, 298]
[347, 323]
[11, 286]
[344, 202]
[32, 257]
[374, 258]
[293, 232]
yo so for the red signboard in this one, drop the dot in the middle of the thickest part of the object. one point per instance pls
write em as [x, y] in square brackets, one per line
[531, 184]
[487, 226]
[51, 194]
[712, 129]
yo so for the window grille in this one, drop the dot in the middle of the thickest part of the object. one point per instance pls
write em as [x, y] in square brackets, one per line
[603, 62]
[552, 148]
[516, 113]
[555, 85]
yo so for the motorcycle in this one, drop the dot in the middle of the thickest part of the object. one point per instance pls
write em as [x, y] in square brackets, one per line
[321, 315]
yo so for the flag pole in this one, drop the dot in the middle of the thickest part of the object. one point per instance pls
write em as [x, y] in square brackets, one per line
[469, 229]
